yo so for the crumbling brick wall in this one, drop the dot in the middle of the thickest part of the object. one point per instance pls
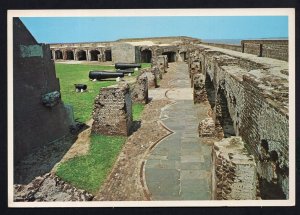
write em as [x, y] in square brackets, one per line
[234, 171]
[206, 128]
[255, 95]
[162, 63]
[112, 112]
[151, 77]
[139, 92]
[199, 91]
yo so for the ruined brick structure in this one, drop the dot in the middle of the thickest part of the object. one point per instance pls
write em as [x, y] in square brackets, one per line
[277, 49]
[39, 113]
[199, 88]
[162, 63]
[249, 98]
[150, 73]
[207, 128]
[234, 171]
[139, 92]
[112, 112]
[143, 50]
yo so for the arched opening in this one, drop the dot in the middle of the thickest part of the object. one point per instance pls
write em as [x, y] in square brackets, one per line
[223, 115]
[94, 55]
[146, 56]
[171, 56]
[69, 55]
[81, 55]
[107, 55]
[210, 91]
[58, 55]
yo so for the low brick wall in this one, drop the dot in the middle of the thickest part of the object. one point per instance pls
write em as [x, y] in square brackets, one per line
[139, 92]
[234, 171]
[162, 62]
[112, 112]
[277, 49]
[199, 92]
[226, 46]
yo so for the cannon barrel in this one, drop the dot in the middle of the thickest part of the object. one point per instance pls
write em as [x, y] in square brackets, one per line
[126, 71]
[127, 65]
[103, 75]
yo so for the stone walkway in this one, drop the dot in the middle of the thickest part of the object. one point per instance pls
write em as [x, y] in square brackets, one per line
[179, 167]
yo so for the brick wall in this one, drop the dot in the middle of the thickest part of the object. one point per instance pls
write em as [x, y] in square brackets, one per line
[257, 106]
[112, 112]
[234, 171]
[225, 46]
[277, 49]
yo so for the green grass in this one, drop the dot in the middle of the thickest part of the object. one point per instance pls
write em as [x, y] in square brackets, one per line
[89, 171]
[82, 103]
[137, 110]
[70, 74]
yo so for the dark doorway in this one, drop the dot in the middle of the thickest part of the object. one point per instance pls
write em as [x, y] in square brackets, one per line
[183, 56]
[94, 55]
[107, 55]
[171, 56]
[58, 55]
[146, 56]
[51, 53]
[81, 55]
[210, 90]
[223, 115]
[69, 55]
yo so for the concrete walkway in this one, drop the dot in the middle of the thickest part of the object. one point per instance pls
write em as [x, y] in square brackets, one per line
[179, 167]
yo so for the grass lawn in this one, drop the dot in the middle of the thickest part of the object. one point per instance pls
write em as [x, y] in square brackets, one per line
[70, 74]
[88, 172]
[137, 110]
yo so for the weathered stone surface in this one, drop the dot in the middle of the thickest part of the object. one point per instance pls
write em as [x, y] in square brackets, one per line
[162, 62]
[139, 93]
[249, 96]
[199, 90]
[157, 73]
[112, 112]
[207, 128]
[152, 79]
[234, 171]
[48, 188]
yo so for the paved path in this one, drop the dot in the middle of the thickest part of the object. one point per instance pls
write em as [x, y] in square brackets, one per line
[179, 167]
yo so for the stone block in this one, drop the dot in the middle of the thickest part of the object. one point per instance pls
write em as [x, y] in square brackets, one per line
[234, 171]
[139, 92]
[151, 77]
[207, 128]
[112, 112]
[199, 90]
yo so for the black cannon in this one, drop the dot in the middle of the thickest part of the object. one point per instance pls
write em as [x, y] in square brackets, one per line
[126, 71]
[104, 75]
[79, 87]
[127, 65]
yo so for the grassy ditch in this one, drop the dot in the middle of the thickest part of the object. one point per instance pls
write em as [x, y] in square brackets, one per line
[89, 171]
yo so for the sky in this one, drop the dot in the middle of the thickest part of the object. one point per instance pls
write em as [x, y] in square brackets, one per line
[92, 29]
